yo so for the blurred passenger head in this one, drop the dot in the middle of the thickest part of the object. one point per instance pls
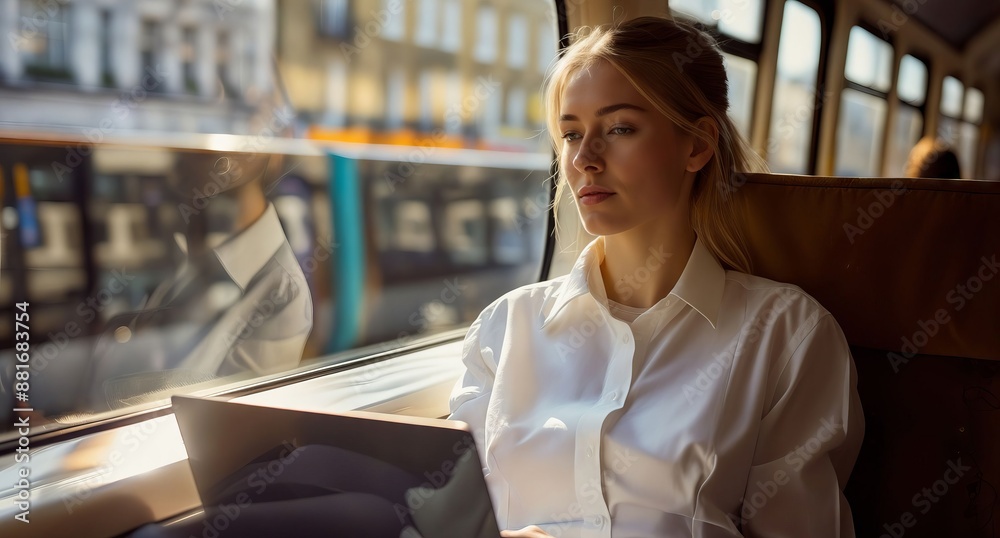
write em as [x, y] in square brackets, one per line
[932, 158]
[679, 70]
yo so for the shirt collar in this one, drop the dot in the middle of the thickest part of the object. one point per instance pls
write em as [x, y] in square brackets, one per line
[244, 254]
[700, 285]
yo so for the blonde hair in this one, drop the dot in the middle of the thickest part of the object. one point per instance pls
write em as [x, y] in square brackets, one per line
[679, 69]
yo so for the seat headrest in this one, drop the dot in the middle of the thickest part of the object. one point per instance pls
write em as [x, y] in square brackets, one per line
[905, 265]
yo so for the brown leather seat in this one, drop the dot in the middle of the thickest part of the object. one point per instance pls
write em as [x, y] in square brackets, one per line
[911, 270]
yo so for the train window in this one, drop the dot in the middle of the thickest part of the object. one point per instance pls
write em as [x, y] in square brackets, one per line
[863, 105]
[951, 97]
[969, 132]
[387, 150]
[911, 91]
[742, 75]
[735, 18]
[950, 127]
[793, 101]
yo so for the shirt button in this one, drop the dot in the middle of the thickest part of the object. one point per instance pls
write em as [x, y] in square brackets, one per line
[626, 338]
[590, 452]
[613, 396]
[598, 521]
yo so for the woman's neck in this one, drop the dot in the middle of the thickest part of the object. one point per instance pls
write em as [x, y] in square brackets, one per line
[640, 267]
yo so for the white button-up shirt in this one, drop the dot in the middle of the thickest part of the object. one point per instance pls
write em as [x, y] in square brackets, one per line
[729, 408]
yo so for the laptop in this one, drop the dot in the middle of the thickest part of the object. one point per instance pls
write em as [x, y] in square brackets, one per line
[426, 473]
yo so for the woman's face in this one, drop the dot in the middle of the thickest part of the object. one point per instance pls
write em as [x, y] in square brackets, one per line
[626, 163]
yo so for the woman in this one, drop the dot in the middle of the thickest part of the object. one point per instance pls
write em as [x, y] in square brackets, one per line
[658, 389]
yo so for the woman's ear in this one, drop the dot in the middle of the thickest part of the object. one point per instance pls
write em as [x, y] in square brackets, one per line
[702, 151]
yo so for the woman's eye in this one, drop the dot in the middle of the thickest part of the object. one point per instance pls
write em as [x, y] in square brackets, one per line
[571, 136]
[621, 130]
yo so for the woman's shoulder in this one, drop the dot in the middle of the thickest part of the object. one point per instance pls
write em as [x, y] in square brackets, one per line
[763, 294]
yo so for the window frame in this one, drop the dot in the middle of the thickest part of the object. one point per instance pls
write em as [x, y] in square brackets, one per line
[883, 95]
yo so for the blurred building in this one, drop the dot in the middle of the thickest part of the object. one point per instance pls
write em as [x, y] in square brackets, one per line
[460, 73]
[158, 65]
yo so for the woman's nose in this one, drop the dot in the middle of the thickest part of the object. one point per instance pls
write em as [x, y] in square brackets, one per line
[590, 155]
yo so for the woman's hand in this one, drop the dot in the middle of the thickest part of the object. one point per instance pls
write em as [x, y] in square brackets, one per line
[531, 531]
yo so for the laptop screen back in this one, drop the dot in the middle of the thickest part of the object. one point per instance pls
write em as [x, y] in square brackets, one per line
[427, 471]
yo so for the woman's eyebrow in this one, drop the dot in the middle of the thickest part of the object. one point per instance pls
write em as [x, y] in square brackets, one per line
[603, 111]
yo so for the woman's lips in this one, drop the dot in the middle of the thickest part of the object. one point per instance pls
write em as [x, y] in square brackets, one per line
[595, 198]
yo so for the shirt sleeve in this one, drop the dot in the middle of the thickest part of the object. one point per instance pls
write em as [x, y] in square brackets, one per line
[809, 439]
[471, 396]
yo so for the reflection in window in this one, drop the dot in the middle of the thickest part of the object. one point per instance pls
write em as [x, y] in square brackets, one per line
[912, 84]
[465, 232]
[859, 134]
[793, 107]
[742, 75]
[46, 50]
[486, 35]
[735, 18]
[414, 232]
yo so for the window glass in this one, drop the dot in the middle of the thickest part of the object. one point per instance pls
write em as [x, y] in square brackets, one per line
[793, 106]
[973, 105]
[394, 14]
[742, 75]
[451, 37]
[912, 84]
[859, 134]
[427, 18]
[517, 41]
[951, 97]
[547, 43]
[967, 147]
[263, 191]
[736, 18]
[486, 35]
[869, 60]
[908, 126]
